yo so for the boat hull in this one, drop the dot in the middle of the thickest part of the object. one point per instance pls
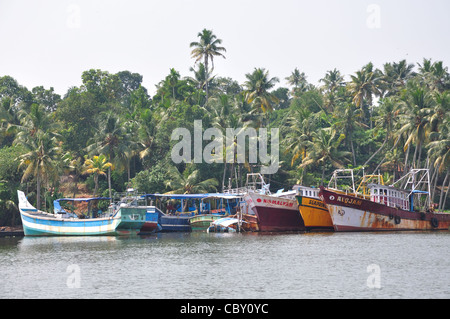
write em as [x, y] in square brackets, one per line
[151, 225]
[275, 214]
[349, 214]
[37, 223]
[202, 222]
[314, 213]
[42, 226]
[175, 223]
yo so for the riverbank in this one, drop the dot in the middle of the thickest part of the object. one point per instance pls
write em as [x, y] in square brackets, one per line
[11, 231]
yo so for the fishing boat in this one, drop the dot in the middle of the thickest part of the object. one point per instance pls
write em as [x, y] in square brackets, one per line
[63, 223]
[132, 199]
[388, 207]
[314, 213]
[195, 211]
[224, 225]
[276, 212]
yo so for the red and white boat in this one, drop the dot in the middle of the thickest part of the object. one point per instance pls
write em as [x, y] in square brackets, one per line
[277, 212]
[387, 208]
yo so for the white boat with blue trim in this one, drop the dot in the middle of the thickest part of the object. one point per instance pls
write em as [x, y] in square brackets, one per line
[124, 221]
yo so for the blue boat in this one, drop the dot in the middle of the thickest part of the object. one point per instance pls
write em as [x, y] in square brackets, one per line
[124, 221]
[199, 215]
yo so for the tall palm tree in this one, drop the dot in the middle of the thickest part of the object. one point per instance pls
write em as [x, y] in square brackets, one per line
[394, 77]
[325, 149]
[333, 82]
[207, 48]
[257, 88]
[363, 86]
[386, 119]
[40, 160]
[172, 80]
[113, 138]
[298, 81]
[348, 119]
[415, 118]
[97, 166]
[37, 133]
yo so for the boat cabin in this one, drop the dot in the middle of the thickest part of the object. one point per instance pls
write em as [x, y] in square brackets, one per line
[389, 196]
[306, 191]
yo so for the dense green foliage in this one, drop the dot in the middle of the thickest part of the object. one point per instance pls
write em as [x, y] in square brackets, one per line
[386, 120]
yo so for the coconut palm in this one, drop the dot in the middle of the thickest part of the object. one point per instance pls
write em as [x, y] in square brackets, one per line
[97, 165]
[37, 133]
[207, 48]
[324, 150]
[415, 118]
[257, 88]
[40, 160]
[363, 86]
[191, 184]
[385, 120]
[113, 139]
[348, 119]
[394, 77]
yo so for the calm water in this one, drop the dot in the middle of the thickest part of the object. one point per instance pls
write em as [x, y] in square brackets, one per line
[238, 266]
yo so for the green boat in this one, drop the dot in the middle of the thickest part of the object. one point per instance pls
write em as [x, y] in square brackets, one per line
[203, 221]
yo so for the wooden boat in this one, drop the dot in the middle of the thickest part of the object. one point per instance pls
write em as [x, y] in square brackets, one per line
[124, 221]
[388, 208]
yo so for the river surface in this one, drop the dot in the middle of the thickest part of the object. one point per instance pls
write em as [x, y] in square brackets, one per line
[199, 265]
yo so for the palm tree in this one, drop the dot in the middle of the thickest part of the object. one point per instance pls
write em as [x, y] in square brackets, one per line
[347, 120]
[332, 81]
[298, 81]
[363, 86]
[226, 112]
[324, 150]
[98, 165]
[416, 107]
[180, 184]
[257, 87]
[40, 160]
[113, 138]
[301, 125]
[37, 133]
[172, 80]
[333, 84]
[386, 120]
[207, 48]
[395, 77]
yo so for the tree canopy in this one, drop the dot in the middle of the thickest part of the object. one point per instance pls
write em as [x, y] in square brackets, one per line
[386, 120]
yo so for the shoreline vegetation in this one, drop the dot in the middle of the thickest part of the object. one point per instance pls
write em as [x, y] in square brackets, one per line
[109, 133]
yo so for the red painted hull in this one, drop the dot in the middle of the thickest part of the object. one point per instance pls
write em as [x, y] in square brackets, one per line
[275, 214]
[349, 213]
[149, 227]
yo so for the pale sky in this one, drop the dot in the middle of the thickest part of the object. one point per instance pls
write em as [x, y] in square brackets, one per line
[52, 42]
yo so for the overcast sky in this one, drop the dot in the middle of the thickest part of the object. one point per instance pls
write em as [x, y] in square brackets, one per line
[52, 42]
